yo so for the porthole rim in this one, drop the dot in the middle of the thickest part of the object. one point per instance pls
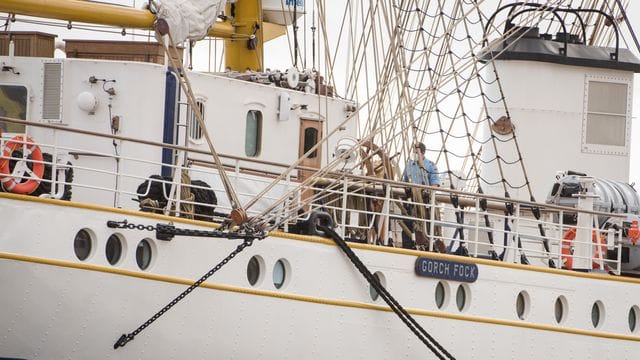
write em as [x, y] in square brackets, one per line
[154, 252]
[383, 281]
[93, 240]
[467, 297]
[262, 271]
[287, 273]
[123, 250]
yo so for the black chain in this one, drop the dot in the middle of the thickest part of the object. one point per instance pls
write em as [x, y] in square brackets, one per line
[125, 338]
[166, 232]
[127, 225]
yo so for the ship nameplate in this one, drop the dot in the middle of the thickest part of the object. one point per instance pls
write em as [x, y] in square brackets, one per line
[446, 270]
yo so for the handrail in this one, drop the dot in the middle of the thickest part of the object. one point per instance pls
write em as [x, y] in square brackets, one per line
[269, 163]
[135, 140]
[555, 10]
[378, 222]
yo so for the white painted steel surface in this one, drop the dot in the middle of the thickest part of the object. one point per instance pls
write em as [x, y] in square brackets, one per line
[58, 312]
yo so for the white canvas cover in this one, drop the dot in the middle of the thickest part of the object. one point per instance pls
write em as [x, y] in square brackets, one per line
[189, 19]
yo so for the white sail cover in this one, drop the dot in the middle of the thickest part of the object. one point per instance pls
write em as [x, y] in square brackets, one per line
[189, 19]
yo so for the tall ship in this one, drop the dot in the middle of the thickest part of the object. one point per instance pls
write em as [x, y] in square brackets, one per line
[261, 179]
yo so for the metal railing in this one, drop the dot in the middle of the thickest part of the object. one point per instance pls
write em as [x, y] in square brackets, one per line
[366, 209]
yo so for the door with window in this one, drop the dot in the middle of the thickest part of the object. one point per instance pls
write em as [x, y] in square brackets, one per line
[310, 135]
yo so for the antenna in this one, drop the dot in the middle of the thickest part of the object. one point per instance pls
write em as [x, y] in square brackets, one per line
[295, 34]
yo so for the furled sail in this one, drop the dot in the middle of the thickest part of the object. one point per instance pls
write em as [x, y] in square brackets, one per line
[189, 19]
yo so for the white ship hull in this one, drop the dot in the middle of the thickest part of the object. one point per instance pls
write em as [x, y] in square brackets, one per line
[55, 307]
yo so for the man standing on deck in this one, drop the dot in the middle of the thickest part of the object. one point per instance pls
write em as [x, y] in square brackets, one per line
[421, 171]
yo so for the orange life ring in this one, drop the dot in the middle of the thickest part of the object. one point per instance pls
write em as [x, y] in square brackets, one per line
[8, 181]
[567, 255]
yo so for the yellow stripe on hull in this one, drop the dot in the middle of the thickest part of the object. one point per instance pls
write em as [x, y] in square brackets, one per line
[320, 240]
[311, 299]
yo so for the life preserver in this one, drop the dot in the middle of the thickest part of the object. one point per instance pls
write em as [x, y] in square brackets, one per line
[567, 254]
[8, 181]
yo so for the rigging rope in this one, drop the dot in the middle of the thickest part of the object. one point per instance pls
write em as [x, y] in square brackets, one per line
[436, 348]
[238, 214]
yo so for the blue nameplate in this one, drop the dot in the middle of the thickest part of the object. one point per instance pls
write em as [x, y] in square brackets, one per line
[447, 270]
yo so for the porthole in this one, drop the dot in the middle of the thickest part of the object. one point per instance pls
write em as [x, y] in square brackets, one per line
[255, 269]
[597, 314]
[144, 254]
[522, 305]
[280, 273]
[560, 309]
[381, 279]
[633, 318]
[442, 294]
[83, 244]
[462, 297]
[114, 249]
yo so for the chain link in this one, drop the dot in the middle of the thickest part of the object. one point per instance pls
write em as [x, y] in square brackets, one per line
[125, 338]
[166, 232]
[127, 225]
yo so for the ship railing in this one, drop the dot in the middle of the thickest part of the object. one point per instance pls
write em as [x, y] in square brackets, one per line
[375, 211]
[366, 209]
[128, 172]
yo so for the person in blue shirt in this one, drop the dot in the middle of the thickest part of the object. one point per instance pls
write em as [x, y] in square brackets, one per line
[421, 171]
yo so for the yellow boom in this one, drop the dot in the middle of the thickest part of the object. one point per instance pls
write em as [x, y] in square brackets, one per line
[239, 56]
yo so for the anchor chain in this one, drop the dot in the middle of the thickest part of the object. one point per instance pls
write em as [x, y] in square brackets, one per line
[166, 232]
[247, 236]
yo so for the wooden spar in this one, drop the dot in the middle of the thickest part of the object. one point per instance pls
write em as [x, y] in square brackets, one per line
[96, 13]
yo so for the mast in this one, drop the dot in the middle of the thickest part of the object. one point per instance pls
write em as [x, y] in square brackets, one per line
[243, 29]
[244, 51]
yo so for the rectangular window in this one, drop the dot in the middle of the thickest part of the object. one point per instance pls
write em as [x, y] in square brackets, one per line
[605, 128]
[310, 140]
[253, 134]
[13, 104]
[195, 131]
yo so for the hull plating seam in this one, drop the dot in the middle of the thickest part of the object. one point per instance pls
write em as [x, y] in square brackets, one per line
[294, 297]
[319, 240]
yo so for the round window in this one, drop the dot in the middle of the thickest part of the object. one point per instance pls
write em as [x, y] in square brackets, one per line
[522, 305]
[372, 291]
[114, 249]
[441, 295]
[83, 244]
[279, 273]
[560, 309]
[633, 318]
[255, 269]
[144, 254]
[597, 314]
[462, 296]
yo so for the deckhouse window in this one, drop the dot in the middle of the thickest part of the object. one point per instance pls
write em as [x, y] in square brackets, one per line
[195, 130]
[605, 122]
[253, 134]
[310, 140]
[13, 104]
